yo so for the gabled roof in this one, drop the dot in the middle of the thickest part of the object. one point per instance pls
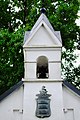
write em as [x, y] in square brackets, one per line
[19, 84]
[12, 89]
[71, 87]
[42, 20]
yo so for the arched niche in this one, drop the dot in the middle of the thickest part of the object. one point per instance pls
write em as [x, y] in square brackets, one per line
[42, 67]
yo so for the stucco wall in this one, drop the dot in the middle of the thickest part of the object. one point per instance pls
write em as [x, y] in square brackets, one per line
[11, 106]
[54, 62]
[21, 105]
[71, 103]
[30, 91]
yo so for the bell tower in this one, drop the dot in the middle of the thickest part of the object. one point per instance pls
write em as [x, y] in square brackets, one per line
[42, 64]
[42, 51]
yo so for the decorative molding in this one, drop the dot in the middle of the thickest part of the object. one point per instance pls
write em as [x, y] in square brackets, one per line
[42, 80]
[48, 63]
[43, 104]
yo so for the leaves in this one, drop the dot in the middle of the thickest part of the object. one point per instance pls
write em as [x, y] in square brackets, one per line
[11, 58]
[17, 16]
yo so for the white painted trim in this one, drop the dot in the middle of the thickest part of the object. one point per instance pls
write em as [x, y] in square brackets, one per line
[56, 47]
[42, 80]
[48, 62]
[49, 31]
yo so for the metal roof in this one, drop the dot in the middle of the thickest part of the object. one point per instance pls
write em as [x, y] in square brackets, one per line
[8, 92]
[71, 87]
[19, 84]
[40, 19]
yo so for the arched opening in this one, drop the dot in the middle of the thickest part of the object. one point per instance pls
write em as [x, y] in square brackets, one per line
[42, 67]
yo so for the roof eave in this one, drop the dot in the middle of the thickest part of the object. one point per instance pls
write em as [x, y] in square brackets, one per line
[12, 89]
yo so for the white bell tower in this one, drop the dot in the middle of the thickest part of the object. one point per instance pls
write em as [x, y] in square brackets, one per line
[42, 64]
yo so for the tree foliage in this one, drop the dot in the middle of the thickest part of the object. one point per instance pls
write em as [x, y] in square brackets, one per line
[11, 58]
[16, 16]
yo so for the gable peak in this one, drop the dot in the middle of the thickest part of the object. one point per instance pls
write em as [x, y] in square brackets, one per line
[40, 19]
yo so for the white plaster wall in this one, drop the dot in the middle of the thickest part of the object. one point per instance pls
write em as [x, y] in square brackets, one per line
[54, 63]
[30, 91]
[52, 55]
[30, 71]
[42, 38]
[71, 105]
[65, 105]
[11, 107]
[54, 71]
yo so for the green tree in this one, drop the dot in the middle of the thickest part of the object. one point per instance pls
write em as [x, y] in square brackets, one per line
[11, 58]
[20, 15]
